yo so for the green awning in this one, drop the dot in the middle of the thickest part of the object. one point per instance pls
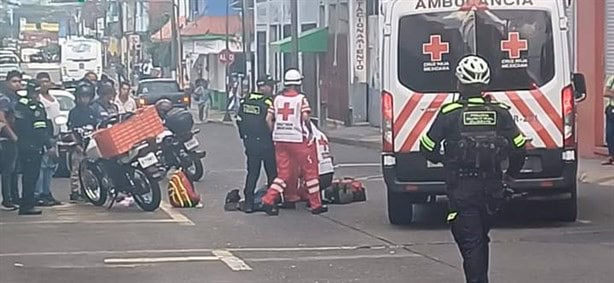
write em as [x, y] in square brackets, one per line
[311, 41]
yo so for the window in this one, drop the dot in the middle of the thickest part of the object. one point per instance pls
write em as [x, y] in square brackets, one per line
[517, 44]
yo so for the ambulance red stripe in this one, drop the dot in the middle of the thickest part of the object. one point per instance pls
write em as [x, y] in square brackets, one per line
[534, 123]
[409, 108]
[423, 122]
[545, 104]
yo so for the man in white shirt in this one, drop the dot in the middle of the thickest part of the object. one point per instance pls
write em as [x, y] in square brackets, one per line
[124, 102]
[42, 193]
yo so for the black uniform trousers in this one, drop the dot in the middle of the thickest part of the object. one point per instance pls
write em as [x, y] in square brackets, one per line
[258, 152]
[30, 170]
[8, 172]
[471, 226]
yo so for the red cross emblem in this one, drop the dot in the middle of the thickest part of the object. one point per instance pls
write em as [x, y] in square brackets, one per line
[323, 143]
[513, 45]
[436, 48]
[286, 111]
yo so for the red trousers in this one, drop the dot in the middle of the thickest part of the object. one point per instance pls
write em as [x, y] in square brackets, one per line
[293, 159]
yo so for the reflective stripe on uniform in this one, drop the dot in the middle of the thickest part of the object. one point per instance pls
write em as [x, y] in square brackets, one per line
[451, 107]
[610, 83]
[24, 101]
[451, 216]
[40, 124]
[427, 142]
[519, 140]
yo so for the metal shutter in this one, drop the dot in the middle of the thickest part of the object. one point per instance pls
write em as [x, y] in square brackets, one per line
[609, 37]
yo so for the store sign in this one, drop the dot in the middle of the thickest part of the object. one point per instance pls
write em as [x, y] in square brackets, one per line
[358, 44]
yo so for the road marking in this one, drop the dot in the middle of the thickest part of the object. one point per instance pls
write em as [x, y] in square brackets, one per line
[202, 250]
[175, 214]
[235, 263]
[342, 165]
[322, 258]
[123, 221]
[140, 260]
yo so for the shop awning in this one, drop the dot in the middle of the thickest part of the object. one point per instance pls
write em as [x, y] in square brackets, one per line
[311, 41]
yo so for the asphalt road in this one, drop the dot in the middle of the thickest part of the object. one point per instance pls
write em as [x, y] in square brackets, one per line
[351, 243]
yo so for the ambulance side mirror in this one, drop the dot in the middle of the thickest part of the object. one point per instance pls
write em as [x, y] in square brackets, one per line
[579, 86]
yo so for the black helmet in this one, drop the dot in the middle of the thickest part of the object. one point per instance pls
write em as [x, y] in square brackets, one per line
[84, 89]
[32, 87]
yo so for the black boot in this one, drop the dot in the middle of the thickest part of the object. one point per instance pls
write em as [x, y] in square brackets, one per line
[319, 210]
[30, 211]
[231, 203]
[246, 206]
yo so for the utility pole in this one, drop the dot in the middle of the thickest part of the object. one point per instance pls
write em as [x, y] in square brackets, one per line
[246, 47]
[227, 69]
[174, 40]
[294, 31]
[120, 10]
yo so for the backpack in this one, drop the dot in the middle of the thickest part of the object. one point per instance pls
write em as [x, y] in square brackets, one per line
[181, 191]
[344, 191]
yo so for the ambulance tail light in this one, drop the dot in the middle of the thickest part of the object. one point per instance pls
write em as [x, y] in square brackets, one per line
[387, 122]
[569, 118]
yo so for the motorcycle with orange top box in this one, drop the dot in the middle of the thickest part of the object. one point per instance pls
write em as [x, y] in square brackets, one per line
[528, 48]
[121, 159]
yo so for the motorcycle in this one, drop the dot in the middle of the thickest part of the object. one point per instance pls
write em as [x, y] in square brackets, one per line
[134, 173]
[180, 151]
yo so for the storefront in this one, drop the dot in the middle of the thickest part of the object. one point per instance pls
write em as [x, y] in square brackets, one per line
[594, 34]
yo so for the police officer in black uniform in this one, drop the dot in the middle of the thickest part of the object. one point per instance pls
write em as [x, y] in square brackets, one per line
[35, 133]
[257, 139]
[478, 135]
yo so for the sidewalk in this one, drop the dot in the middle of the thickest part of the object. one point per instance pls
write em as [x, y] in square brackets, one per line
[589, 170]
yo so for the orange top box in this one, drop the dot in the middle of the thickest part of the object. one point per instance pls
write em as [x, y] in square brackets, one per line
[120, 138]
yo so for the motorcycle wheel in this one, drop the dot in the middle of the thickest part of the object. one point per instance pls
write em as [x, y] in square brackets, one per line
[146, 193]
[196, 170]
[91, 185]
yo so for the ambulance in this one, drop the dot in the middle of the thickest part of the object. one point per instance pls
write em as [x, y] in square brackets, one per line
[528, 47]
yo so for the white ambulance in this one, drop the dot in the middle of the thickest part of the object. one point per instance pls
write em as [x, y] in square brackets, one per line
[527, 45]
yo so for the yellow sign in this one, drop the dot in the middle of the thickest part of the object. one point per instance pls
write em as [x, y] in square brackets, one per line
[53, 27]
[29, 27]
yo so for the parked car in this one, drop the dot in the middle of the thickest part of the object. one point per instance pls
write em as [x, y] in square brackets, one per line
[150, 91]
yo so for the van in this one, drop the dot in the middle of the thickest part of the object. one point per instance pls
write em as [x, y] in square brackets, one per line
[527, 46]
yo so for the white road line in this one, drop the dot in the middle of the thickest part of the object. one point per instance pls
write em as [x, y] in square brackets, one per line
[196, 250]
[341, 165]
[139, 260]
[175, 215]
[68, 221]
[233, 262]
[322, 258]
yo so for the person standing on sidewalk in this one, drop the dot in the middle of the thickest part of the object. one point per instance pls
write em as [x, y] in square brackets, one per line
[203, 97]
[256, 136]
[43, 195]
[8, 147]
[295, 148]
[33, 130]
[124, 102]
[609, 119]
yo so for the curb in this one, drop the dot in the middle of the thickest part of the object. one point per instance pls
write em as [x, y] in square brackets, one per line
[353, 142]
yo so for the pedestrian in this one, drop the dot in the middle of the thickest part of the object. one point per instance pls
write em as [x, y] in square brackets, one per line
[609, 119]
[79, 117]
[104, 106]
[474, 172]
[257, 139]
[90, 77]
[43, 194]
[294, 145]
[125, 103]
[33, 130]
[203, 96]
[120, 69]
[8, 146]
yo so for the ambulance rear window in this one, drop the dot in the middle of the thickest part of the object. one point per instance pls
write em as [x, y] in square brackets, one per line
[517, 44]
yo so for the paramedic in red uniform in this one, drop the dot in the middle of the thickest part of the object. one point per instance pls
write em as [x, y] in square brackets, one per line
[295, 147]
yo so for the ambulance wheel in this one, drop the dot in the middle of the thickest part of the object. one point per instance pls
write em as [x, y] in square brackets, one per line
[400, 208]
[567, 210]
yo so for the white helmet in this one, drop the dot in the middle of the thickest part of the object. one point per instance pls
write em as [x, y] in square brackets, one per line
[473, 69]
[293, 77]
